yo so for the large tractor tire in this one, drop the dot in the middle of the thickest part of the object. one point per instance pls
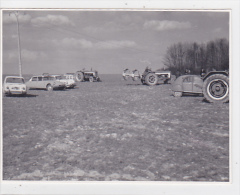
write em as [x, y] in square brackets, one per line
[216, 88]
[79, 76]
[151, 79]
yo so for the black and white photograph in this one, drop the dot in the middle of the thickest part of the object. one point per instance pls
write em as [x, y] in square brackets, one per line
[114, 95]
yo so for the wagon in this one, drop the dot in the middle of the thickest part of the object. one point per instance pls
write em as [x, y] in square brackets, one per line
[45, 81]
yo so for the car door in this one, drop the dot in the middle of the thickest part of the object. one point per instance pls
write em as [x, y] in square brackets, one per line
[46, 81]
[40, 82]
[32, 82]
[197, 84]
[188, 84]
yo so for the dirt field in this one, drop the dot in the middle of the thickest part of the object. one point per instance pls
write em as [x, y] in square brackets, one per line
[114, 130]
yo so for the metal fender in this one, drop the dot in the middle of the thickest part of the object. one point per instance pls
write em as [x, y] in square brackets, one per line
[177, 87]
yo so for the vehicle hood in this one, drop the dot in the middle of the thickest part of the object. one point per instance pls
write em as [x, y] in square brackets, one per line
[67, 80]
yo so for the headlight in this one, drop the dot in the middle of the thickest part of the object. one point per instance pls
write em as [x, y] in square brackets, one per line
[23, 88]
[7, 87]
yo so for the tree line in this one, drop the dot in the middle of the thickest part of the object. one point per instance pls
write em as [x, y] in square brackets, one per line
[213, 55]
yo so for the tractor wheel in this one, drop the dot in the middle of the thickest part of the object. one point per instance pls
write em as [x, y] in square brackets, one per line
[91, 79]
[79, 76]
[216, 88]
[151, 79]
[49, 87]
[177, 94]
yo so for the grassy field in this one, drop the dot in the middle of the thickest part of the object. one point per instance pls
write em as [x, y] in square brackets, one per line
[114, 130]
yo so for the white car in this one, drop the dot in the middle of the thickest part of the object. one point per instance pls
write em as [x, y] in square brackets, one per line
[45, 81]
[69, 80]
[14, 85]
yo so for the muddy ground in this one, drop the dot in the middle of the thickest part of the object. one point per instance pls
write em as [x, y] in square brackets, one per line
[114, 130]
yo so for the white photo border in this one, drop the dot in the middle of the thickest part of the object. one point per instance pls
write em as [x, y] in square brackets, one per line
[140, 188]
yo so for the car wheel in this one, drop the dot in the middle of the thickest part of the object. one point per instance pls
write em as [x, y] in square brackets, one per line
[216, 88]
[151, 79]
[49, 87]
[79, 76]
[177, 94]
[91, 79]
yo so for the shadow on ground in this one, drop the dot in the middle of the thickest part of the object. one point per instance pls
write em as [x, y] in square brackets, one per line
[22, 96]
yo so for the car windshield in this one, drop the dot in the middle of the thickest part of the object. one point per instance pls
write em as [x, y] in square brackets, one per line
[67, 77]
[14, 80]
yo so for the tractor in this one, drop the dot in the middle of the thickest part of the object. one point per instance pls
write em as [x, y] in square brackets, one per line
[85, 75]
[149, 77]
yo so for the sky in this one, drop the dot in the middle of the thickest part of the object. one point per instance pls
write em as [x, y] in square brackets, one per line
[64, 41]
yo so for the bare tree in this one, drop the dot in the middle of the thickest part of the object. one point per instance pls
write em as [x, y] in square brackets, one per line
[194, 56]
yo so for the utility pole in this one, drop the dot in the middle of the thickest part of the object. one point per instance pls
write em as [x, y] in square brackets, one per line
[19, 43]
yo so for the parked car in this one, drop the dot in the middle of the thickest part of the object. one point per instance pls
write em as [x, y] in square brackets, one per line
[214, 86]
[45, 81]
[85, 75]
[14, 85]
[187, 84]
[69, 80]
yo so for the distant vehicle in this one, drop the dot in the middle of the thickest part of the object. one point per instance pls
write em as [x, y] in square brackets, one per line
[45, 81]
[214, 86]
[14, 85]
[149, 77]
[85, 75]
[68, 78]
